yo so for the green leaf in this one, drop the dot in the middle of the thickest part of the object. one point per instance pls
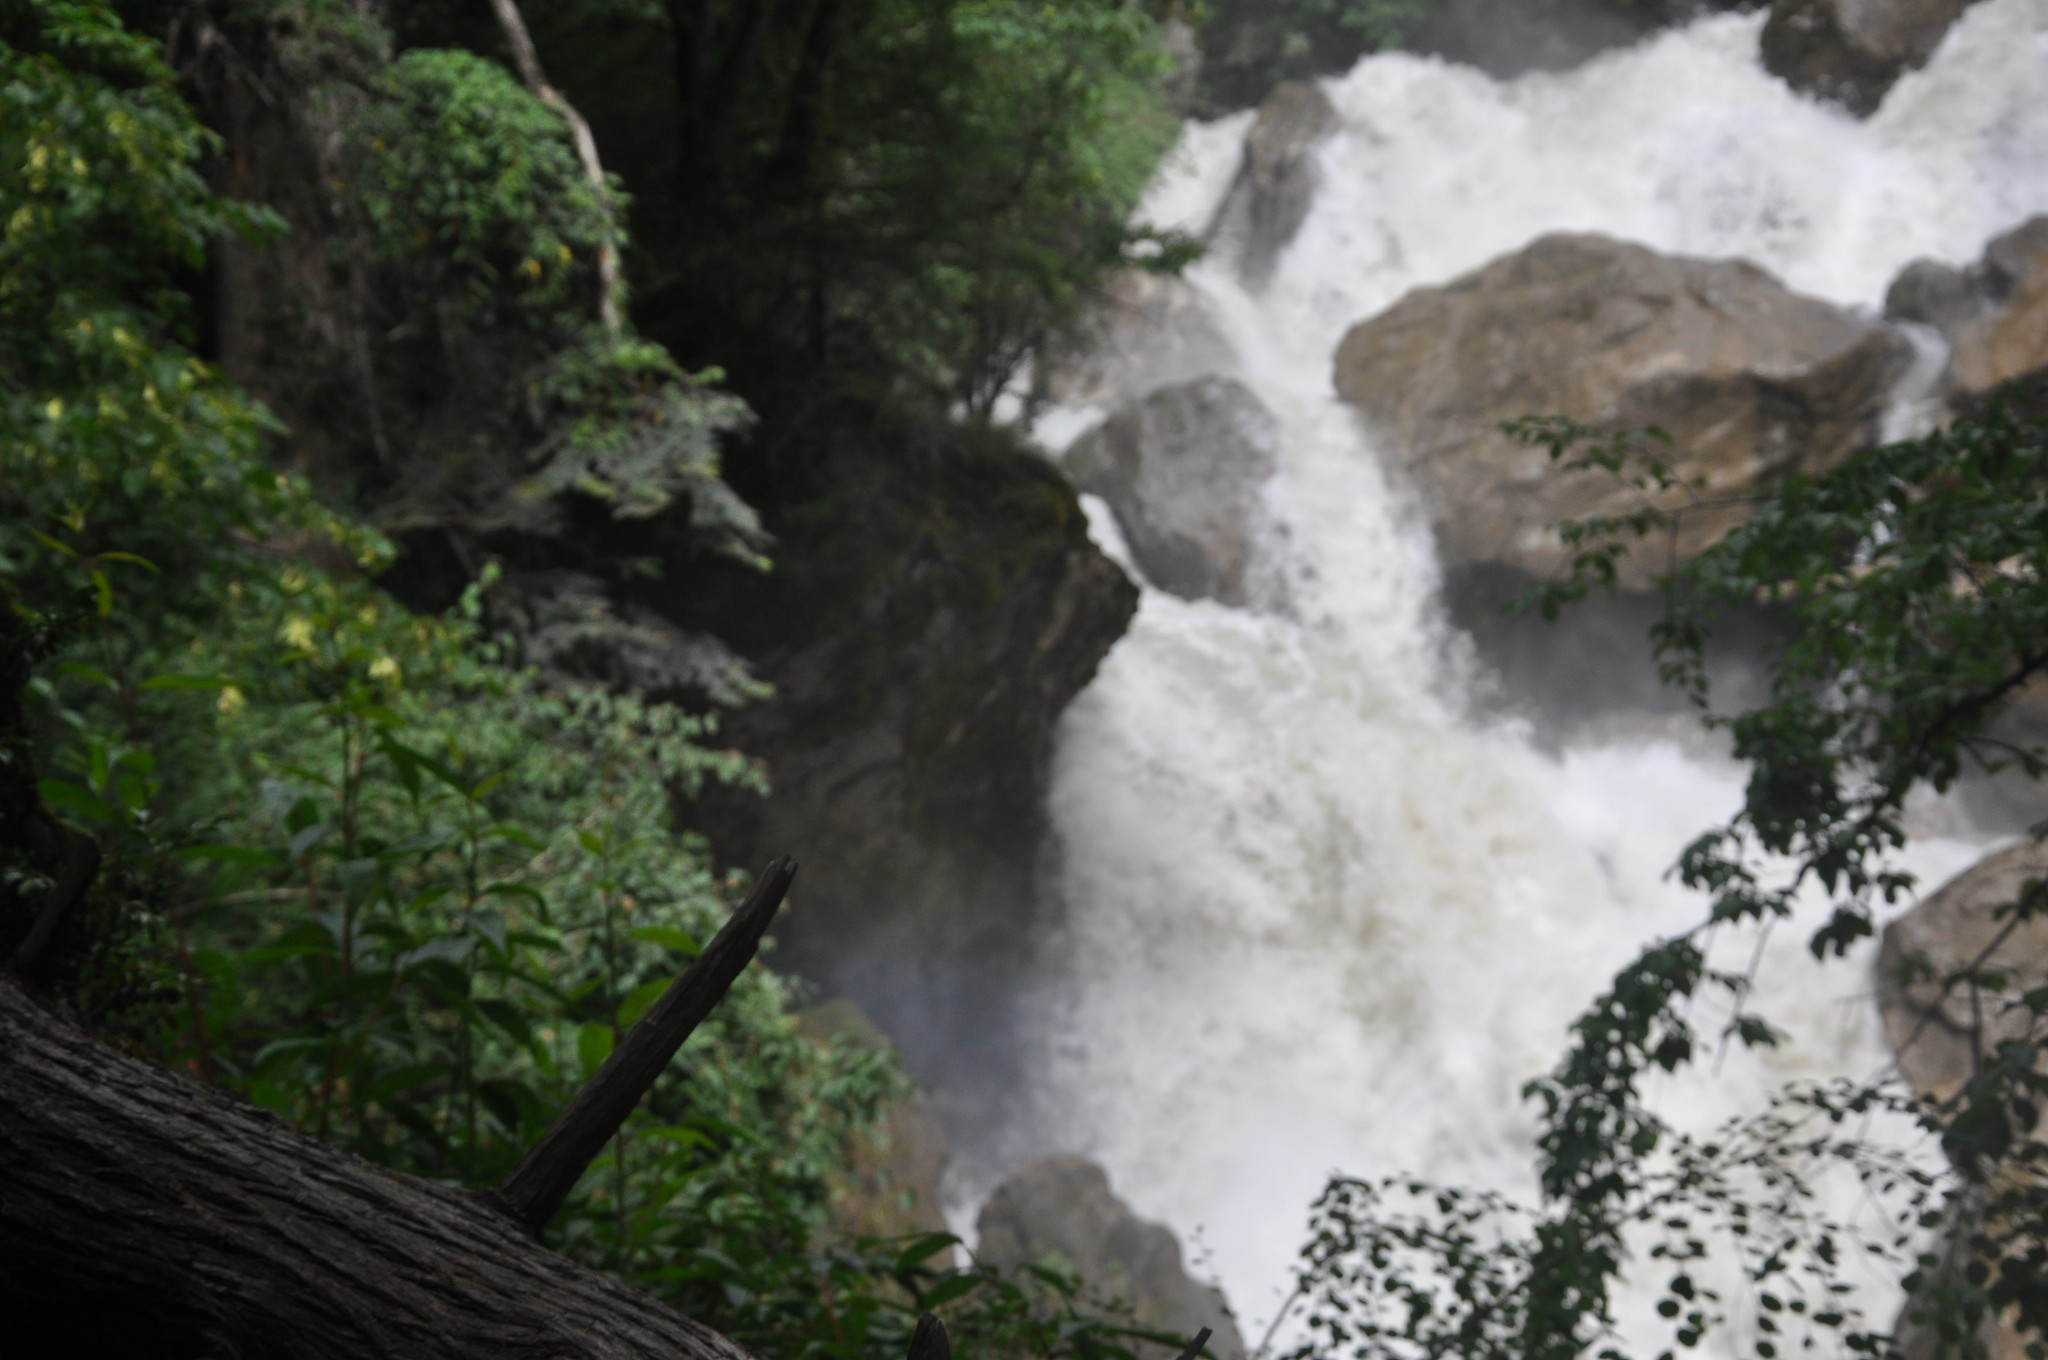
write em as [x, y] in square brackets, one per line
[639, 999]
[156, 683]
[593, 1046]
[82, 803]
[923, 1248]
[668, 937]
[948, 1289]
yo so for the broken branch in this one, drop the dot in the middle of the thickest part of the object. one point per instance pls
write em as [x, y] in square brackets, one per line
[549, 1171]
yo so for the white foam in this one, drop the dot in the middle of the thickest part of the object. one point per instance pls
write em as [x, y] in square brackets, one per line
[1315, 918]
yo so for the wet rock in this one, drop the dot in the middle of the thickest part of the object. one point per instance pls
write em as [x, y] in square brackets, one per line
[1750, 379]
[891, 1185]
[1935, 1031]
[1851, 51]
[2008, 340]
[1934, 294]
[1994, 313]
[1060, 1210]
[1277, 182]
[1148, 331]
[1183, 470]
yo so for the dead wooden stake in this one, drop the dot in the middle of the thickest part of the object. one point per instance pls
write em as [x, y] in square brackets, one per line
[1195, 1347]
[929, 1342]
[550, 1169]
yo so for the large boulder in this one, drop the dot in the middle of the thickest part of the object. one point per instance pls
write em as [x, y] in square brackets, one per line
[1751, 381]
[1851, 51]
[1182, 470]
[1277, 180]
[1934, 1029]
[1994, 312]
[1060, 1211]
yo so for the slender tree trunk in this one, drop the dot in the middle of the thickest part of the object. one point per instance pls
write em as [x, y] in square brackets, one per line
[524, 57]
[789, 171]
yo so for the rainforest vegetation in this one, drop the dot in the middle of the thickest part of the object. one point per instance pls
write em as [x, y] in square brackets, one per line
[316, 319]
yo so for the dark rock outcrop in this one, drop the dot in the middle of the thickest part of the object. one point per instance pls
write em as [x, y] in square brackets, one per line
[1994, 313]
[1061, 1210]
[1749, 379]
[1277, 181]
[934, 606]
[1852, 51]
[1182, 470]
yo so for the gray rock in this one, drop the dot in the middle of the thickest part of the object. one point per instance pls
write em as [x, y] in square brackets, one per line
[1751, 381]
[1182, 469]
[1994, 312]
[1934, 294]
[2008, 339]
[1060, 1210]
[1851, 51]
[1277, 182]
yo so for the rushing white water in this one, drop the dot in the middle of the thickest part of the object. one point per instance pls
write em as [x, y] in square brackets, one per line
[1317, 916]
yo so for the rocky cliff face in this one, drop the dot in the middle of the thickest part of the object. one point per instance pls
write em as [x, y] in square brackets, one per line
[934, 606]
[1853, 51]
[1749, 379]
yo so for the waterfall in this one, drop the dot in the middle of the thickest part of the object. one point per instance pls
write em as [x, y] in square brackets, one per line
[1316, 912]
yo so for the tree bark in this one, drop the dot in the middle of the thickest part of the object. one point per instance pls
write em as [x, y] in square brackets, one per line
[513, 25]
[143, 1213]
[789, 171]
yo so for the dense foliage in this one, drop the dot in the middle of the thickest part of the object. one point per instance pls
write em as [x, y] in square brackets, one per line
[894, 197]
[344, 858]
[1914, 582]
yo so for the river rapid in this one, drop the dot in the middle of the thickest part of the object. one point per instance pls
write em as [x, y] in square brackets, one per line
[1317, 908]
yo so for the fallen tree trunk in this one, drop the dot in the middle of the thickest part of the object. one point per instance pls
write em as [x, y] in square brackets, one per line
[142, 1213]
